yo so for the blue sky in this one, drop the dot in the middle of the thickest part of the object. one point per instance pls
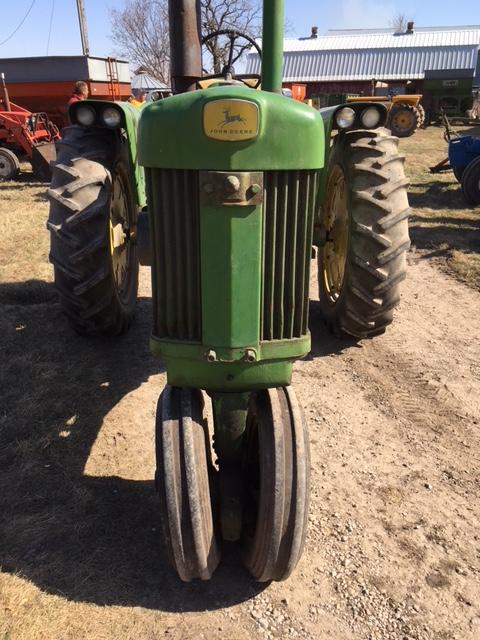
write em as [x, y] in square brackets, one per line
[32, 38]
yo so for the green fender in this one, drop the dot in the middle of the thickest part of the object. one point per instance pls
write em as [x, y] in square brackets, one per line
[328, 116]
[132, 118]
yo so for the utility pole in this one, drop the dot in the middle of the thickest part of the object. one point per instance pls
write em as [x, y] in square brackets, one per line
[83, 27]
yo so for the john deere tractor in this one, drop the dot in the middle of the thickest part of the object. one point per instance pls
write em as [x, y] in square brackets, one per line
[240, 182]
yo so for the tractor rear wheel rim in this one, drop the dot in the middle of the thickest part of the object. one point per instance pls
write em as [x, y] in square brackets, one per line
[403, 120]
[120, 224]
[335, 251]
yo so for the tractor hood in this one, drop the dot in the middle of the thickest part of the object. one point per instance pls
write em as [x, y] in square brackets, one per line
[231, 128]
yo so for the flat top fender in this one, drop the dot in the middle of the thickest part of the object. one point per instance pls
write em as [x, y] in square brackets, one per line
[328, 115]
[462, 150]
[128, 125]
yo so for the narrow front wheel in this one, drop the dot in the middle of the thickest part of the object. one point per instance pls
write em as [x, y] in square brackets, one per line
[277, 484]
[183, 475]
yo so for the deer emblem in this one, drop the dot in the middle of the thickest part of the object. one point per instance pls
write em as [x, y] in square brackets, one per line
[229, 119]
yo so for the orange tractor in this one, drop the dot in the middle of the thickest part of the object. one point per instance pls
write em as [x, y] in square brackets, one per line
[23, 133]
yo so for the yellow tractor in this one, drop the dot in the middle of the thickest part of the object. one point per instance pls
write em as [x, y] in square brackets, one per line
[406, 114]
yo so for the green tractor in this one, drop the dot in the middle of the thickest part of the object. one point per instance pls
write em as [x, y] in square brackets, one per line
[223, 191]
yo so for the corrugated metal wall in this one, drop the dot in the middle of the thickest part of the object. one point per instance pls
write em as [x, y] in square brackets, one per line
[387, 64]
[363, 56]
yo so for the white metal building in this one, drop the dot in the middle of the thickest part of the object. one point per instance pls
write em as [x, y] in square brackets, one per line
[357, 56]
[145, 82]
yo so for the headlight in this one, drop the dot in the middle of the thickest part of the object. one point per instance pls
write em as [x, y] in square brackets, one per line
[111, 117]
[345, 117]
[370, 118]
[86, 115]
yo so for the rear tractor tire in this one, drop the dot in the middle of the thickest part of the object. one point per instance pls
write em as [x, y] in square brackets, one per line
[364, 219]
[422, 114]
[470, 180]
[9, 165]
[458, 172]
[92, 222]
[404, 120]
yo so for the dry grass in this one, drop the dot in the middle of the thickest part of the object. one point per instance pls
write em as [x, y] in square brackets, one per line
[79, 545]
[443, 227]
[24, 253]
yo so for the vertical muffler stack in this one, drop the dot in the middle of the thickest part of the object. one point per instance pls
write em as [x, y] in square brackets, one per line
[185, 44]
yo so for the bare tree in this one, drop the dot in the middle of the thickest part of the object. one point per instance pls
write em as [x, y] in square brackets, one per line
[140, 32]
[238, 15]
[399, 22]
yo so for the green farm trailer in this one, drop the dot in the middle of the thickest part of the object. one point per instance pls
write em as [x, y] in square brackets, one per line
[450, 92]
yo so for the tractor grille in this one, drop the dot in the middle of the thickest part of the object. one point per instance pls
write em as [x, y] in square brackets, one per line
[173, 200]
[289, 205]
[290, 200]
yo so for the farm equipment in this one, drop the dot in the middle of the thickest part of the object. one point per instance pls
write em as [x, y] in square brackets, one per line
[45, 83]
[405, 116]
[463, 159]
[449, 93]
[24, 133]
[233, 209]
[405, 113]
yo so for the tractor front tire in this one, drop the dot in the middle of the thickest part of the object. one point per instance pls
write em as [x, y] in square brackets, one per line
[183, 480]
[92, 223]
[365, 221]
[277, 484]
[9, 165]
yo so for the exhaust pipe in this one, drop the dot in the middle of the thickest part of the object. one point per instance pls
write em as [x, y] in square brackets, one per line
[272, 45]
[6, 98]
[185, 44]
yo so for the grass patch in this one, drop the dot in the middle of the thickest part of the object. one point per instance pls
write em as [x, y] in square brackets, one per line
[25, 240]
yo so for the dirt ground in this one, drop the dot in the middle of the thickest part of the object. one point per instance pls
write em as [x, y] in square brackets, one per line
[393, 548]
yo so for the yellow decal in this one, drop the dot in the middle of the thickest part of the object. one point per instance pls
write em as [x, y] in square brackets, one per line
[231, 120]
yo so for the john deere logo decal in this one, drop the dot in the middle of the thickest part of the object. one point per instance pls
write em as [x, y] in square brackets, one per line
[231, 120]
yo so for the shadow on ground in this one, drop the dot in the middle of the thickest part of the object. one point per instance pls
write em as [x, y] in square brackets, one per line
[437, 194]
[443, 234]
[24, 183]
[89, 539]
[324, 342]
[30, 292]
